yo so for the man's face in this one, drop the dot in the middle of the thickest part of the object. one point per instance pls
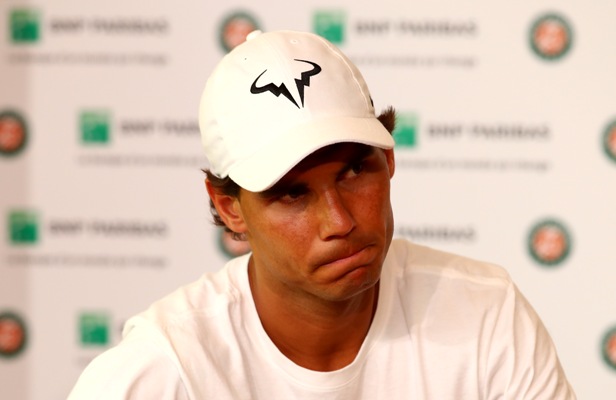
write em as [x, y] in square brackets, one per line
[324, 229]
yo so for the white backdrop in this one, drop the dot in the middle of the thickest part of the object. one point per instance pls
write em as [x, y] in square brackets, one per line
[506, 151]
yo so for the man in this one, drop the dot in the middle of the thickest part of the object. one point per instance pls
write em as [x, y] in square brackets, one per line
[326, 305]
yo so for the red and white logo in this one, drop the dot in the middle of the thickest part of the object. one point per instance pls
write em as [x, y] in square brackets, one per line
[12, 133]
[609, 348]
[609, 141]
[235, 28]
[12, 335]
[551, 36]
[549, 242]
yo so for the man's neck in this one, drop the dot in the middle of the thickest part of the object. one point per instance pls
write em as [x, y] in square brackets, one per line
[317, 335]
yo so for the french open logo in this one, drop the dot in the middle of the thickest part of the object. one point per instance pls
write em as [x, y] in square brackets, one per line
[12, 335]
[549, 243]
[608, 348]
[551, 37]
[231, 247]
[13, 133]
[609, 141]
[235, 28]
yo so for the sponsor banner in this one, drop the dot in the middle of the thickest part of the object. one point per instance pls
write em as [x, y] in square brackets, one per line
[435, 234]
[505, 151]
[352, 30]
[489, 146]
[48, 36]
[116, 141]
[37, 241]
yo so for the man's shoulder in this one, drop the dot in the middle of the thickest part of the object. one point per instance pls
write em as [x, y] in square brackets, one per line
[414, 259]
[441, 285]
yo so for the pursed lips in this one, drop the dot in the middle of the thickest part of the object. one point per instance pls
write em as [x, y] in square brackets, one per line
[344, 259]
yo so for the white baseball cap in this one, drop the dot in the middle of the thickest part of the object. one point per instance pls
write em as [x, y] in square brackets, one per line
[277, 98]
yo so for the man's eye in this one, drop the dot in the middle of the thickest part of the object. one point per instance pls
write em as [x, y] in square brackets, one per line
[357, 167]
[293, 193]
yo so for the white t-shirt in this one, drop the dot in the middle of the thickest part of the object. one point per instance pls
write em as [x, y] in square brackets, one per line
[446, 327]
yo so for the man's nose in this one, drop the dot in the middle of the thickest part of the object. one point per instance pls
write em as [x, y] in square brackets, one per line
[336, 220]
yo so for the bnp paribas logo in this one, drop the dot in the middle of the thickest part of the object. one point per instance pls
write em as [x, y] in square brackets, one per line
[13, 133]
[95, 126]
[549, 242]
[551, 37]
[234, 29]
[13, 335]
[608, 348]
[330, 24]
[23, 227]
[24, 25]
[405, 133]
[94, 329]
[609, 141]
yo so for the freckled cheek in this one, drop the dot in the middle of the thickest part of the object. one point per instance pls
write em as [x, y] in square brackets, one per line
[287, 246]
[290, 231]
[373, 202]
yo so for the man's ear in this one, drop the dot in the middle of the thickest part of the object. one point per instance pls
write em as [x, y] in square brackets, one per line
[391, 161]
[228, 208]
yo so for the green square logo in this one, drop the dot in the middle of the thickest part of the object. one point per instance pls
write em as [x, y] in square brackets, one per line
[330, 25]
[94, 329]
[23, 227]
[94, 126]
[25, 26]
[405, 133]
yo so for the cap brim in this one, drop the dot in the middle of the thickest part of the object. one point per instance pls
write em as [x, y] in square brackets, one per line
[273, 160]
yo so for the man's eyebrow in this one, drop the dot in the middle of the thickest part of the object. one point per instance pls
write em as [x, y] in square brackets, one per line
[360, 154]
[282, 186]
[274, 191]
[364, 151]
[279, 189]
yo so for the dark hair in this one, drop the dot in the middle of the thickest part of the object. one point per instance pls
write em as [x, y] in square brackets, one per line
[228, 187]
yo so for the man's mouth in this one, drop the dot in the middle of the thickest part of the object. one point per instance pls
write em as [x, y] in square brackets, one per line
[348, 259]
